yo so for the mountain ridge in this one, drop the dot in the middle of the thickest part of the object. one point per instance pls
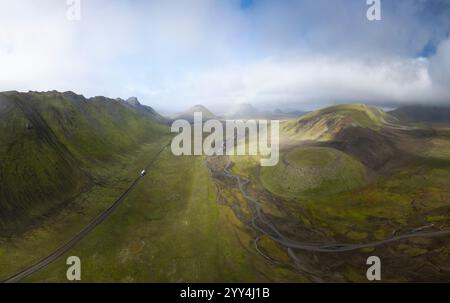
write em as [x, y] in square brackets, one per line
[189, 113]
[324, 124]
[422, 113]
[50, 138]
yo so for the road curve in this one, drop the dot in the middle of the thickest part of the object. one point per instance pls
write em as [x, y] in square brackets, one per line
[81, 234]
[314, 247]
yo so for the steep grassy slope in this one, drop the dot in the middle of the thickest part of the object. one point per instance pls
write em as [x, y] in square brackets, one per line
[324, 124]
[373, 148]
[53, 142]
[422, 113]
[20, 250]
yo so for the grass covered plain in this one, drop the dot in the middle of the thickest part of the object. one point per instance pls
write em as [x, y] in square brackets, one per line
[170, 229]
[39, 240]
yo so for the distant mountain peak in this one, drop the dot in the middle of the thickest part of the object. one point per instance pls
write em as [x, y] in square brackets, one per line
[199, 107]
[133, 101]
[189, 114]
[73, 96]
[423, 113]
[243, 110]
[278, 111]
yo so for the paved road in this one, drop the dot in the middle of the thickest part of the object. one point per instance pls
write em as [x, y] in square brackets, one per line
[83, 233]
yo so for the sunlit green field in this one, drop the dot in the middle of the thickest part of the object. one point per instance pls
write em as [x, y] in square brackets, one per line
[183, 223]
[170, 229]
[412, 196]
[313, 170]
[415, 195]
[21, 250]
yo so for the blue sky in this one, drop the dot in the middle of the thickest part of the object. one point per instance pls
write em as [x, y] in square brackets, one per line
[247, 4]
[283, 53]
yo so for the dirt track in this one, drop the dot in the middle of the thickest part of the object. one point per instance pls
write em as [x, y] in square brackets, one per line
[265, 227]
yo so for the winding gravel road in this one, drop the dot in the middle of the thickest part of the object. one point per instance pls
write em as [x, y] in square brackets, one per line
[83, 233]
[312, 247]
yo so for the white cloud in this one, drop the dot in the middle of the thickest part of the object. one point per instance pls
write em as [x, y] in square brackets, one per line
[173, 54]
[310, 79]
[440, 66]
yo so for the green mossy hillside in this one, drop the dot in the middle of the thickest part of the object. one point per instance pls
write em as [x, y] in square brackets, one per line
[313, 170]
[52, 144]
[324, 124]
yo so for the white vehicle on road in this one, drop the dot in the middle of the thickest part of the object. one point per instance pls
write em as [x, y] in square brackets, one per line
[143, 173]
